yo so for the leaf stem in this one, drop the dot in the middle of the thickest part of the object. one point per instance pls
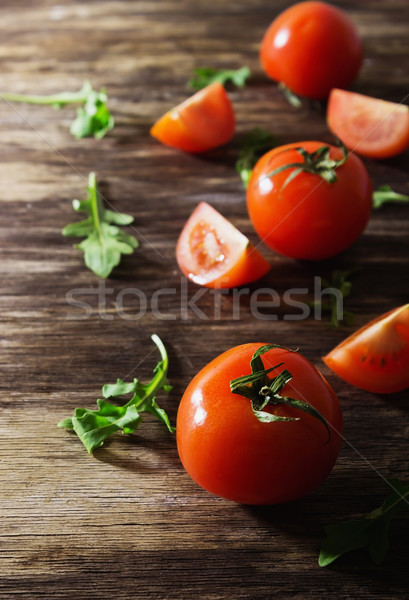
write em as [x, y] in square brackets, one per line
[93, 116]
[95, 205]
[161, 373]
[60, 99]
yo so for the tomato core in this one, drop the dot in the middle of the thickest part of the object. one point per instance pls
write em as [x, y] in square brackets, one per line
[207, 246]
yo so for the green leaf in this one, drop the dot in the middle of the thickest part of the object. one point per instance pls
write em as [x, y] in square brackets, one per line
[256, 143]
[207, 75]
[117, 218]
[385, 194]
[79, 229]
[93, 117]
[104, 242]
[370, 532]
[158, 412]
[120, 388]
[339, 281]
[93, 427]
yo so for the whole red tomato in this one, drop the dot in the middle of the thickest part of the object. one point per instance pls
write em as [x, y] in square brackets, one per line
[312, 47]
[229, 451]
[297, 211]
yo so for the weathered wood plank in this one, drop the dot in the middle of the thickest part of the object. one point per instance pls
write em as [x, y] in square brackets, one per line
[128, 522]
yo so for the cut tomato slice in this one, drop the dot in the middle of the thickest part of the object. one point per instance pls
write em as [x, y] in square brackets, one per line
[376, 357]
[368, 126]
[213, 253]
[200, 123]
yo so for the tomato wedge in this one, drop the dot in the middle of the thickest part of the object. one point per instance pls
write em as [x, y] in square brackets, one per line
[368, 126]
[376, 357]
[204, 121]
[213, 253]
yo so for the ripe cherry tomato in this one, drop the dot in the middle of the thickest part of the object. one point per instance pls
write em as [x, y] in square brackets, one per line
[312, 47]
[212, 252]
[200, 123]
[228, 451]
[376, 357]
[368, 126]
[307, 217]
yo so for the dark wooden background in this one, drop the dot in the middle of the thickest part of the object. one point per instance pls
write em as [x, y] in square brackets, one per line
[128, 522]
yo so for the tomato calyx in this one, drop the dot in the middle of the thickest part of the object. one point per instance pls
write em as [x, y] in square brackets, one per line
[318, 163]
[263, 391]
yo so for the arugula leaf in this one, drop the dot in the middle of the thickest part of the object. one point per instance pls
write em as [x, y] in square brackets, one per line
[385, 194]
[104, 243]
[207, 75]
[339, 281]
[256, 143]
[371, 531]
[93, 118]
[93, 427]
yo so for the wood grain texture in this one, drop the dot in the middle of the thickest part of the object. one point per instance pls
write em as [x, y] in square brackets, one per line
[128, 522]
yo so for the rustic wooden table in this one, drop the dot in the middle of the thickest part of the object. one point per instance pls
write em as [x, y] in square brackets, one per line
[128, 522]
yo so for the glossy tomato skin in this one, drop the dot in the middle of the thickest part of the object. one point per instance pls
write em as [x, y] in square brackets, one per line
[213, 253]
[312, 47]
[204, 121]
[230, 453]
[376, 357]
[368, 126]
[309, 218]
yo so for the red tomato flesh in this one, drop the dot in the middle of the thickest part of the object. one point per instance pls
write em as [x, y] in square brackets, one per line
[376, 357]
[309, 218]
[312, 47]
[213, 253]
[230, 453]
[368, 126]
[204, 121]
